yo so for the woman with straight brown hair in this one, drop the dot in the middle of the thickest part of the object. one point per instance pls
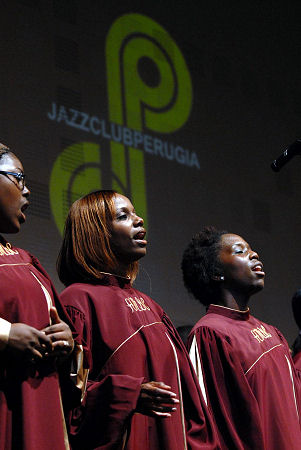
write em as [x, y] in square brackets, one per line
[141, 391]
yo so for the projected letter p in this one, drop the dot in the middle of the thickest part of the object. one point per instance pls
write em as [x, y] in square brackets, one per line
[161, 107]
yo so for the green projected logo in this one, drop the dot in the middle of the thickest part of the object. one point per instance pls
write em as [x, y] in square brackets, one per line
[75, 173]
[136, 104]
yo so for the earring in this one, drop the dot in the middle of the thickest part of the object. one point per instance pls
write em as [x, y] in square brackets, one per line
[222, 277]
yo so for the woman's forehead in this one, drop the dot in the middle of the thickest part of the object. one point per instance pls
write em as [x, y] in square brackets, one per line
[230, 239]
[10, 160]
[121, 201]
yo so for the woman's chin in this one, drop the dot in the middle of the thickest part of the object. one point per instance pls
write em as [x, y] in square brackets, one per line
[11, 229]
[133, 257]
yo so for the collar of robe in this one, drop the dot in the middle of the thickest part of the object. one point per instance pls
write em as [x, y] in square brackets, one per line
[229, 312]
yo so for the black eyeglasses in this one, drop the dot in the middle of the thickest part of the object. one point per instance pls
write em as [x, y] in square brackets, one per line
[19, 176]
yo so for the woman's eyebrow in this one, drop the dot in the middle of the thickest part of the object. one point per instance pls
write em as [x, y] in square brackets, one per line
[240, 245]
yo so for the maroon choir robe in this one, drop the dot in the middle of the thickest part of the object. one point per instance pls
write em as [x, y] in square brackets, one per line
[248, 379]
[128, 340]
[297, 360]
[31, 415]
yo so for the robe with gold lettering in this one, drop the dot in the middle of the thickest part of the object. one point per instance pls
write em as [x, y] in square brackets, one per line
[248, 378]
[31, 415]
[128, 340]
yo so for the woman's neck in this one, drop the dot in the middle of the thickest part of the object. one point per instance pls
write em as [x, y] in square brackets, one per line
[122, 270]
[234, 300]
[127, 277]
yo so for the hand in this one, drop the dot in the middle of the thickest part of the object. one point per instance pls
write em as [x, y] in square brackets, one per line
[28, 341]
[60, 335]
[156, 399]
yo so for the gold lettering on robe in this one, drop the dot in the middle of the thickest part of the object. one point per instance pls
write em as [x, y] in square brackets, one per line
[136, 304]
[260, 334]
[7, 250]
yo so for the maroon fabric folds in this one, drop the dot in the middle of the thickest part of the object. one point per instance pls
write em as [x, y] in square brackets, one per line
[129, 340]
[297, 361]
[250, 380]
[31, 415]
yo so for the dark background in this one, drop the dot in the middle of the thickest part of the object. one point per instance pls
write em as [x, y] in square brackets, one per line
[244, 62]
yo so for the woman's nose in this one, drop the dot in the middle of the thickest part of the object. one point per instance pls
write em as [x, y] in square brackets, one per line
[138, 221]
[254, 255]
[26, 191]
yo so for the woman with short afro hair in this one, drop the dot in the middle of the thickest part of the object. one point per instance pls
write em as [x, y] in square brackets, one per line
[244, 366]
[200, 264]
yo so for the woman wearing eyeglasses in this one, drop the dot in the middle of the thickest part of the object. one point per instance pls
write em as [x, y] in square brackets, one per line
[33, 338]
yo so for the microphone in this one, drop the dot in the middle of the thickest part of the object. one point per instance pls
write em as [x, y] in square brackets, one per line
[287, 155]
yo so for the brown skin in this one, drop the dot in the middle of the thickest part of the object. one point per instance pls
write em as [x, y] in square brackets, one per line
[156, 400]
[12, 199]
[25, 341]
[60, 335]
[128, 235]
[129, 244]
[242, 271]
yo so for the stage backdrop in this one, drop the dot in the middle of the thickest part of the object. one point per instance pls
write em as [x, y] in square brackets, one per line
[181, 106]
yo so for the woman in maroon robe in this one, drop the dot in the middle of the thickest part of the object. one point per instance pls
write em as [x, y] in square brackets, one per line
[32, 335]
[244, 365]
[141, 391]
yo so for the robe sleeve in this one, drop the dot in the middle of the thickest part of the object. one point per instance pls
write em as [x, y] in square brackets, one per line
[229, 396]
[109, 402]
[200, 428]
[105, 415]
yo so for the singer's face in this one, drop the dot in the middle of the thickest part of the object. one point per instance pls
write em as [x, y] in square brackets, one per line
[242, 270]
[13, 199]
[127, 234]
